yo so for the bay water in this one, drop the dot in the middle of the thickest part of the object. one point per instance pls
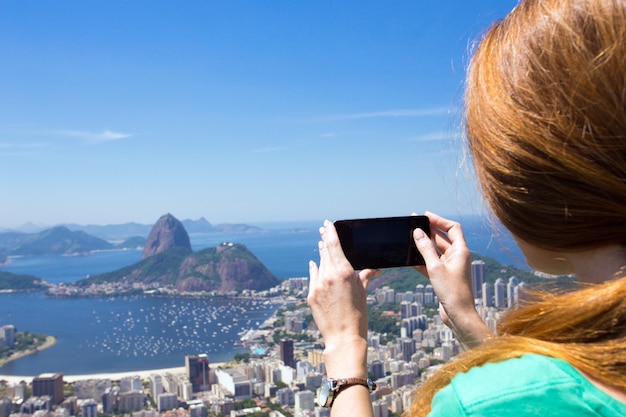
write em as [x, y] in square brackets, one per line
[100, 335]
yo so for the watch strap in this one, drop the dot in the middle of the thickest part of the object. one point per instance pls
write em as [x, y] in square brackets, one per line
[338, 384]
[346, 382]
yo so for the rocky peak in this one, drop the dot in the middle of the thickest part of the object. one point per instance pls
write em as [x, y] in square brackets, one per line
[167, 233]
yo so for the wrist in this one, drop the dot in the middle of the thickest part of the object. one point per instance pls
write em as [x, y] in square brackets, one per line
[346, 358]
[471, 330]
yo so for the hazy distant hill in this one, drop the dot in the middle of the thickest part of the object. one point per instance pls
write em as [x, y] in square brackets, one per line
[132, 243]
[114, 232]
[120, 232]
[55, 241]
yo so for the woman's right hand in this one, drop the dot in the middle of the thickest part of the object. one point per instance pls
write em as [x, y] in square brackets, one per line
[337, 297]
[448, 267]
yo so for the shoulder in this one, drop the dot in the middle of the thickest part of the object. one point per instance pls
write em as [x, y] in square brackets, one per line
[527, 386]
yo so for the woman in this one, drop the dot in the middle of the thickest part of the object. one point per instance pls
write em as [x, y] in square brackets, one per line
[545, 114]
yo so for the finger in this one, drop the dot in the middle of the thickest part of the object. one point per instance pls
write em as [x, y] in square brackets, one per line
[441, 240]
[313, 271]
[368, 274]
[439, 222]
[450, 227]
[321, 248]
[331, 240]
[455, 233]
[425, 247]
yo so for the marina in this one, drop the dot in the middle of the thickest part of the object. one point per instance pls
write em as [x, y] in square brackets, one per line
[129, 333]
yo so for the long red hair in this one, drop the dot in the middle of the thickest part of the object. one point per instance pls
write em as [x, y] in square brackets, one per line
[545, 115]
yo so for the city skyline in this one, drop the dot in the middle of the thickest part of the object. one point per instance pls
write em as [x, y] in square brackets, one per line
[234, 111]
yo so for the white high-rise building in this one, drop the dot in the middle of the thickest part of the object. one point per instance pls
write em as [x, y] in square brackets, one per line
[499, 293]
[7, 335]
[304, 400]
[156, 386]
[510, 291]
[90, 408]
[487, 295]
[167, 401]
[419, 294]
[302, 369]
[380, 408]
[429, 295]
[131, 383]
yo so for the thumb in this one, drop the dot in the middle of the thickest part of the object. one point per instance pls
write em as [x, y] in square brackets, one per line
[425, 247]
[367, 274]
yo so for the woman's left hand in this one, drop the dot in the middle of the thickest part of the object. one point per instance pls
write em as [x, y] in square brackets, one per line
[448, 259]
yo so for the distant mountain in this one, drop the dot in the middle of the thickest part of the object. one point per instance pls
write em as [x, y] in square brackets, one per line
[169, 261]
[235, 228]
[9, 281]
[198, 226]
[120, 232]
[167, 233]
[113, 232]
[55, 241]
[132, 243]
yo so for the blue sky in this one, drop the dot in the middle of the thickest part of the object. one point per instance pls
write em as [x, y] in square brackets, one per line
[238, 111]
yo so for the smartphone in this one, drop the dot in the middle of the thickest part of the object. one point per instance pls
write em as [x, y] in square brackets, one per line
[384, 242]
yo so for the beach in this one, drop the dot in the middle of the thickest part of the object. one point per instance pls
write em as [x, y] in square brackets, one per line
[50, 341]
[113, 376]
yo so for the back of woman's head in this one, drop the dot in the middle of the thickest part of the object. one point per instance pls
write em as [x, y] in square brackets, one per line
[546, 122]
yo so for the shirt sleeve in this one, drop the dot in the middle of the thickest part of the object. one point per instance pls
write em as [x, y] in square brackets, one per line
[446, 404]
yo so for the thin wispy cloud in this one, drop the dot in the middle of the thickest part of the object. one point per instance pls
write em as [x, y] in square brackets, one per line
[435, 111]
[434, 137]
[93, 137]
[269, 149]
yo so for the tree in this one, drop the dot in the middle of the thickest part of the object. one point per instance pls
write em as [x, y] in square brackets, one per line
[242, 357]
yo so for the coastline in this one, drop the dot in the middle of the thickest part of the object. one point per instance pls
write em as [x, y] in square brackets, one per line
[50, 341]
[113, 376]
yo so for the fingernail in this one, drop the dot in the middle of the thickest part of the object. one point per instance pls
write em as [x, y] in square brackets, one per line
[418, 233]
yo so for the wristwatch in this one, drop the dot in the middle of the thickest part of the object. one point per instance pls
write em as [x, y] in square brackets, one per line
[330, 388]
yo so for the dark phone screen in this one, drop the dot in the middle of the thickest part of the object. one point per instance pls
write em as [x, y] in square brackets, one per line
[381, 242]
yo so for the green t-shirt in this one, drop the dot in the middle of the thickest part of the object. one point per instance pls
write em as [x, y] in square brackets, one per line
[532, 385]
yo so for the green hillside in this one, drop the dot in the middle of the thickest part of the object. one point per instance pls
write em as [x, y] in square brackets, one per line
[9, 281]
